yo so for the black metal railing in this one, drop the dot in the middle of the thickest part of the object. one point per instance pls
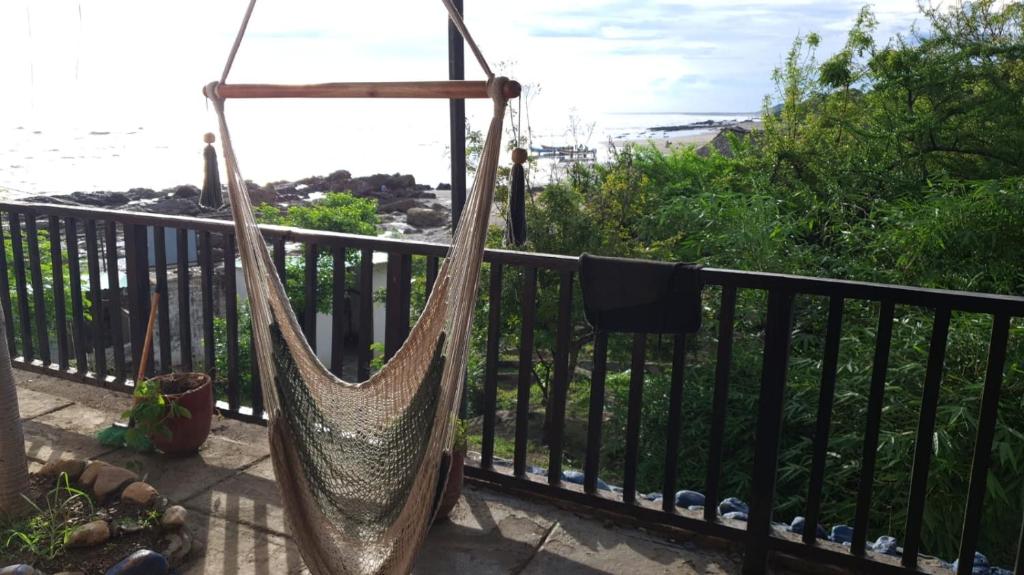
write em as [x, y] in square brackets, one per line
[128, 255]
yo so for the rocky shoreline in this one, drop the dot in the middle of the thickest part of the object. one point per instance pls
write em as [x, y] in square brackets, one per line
[404, 207]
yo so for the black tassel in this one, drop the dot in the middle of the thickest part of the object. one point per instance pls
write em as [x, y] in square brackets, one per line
[212, 196]
[517, 199]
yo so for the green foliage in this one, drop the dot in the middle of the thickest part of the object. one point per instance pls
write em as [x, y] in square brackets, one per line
[899, 162]
[149, 413]
[45, 533]
[336, 212]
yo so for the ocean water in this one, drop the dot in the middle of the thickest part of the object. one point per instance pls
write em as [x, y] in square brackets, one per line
[279, 142]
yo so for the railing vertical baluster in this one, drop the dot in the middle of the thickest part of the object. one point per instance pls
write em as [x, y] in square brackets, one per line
[925, 431]
[231, 321]
[560, 381]
[634, 408]
[164, 313]
[528, 311]
[595, 416]
[5, 296]
[491, 367]
[364, 352]
[1018, 566]
[254, 370]
[338, 318]
[184, 306]
[675, 423]
[393, 315]
[983, 442]
[60, 315]
[883, 339]
[114, 289]
[136, 242]
[75, 284]
[719, 403]
[99, 329]
[21, 287]
[279, 258]
[309, 311]
[769, 429]
[431, 273]
[206, 291]
[38, 290]
[405, 303]
[825, 398]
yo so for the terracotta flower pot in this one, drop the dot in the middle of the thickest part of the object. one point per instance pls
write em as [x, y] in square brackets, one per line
[194, 392]
[453, 490]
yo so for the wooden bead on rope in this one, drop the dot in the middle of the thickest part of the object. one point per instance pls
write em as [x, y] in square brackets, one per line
[519, 156]
[209, 138]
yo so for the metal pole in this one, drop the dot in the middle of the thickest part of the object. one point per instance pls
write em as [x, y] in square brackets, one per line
[457, 113]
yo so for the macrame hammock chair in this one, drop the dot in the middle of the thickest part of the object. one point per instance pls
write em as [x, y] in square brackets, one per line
[360, 465]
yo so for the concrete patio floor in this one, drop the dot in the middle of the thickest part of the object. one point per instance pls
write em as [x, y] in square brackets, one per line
[235, 510]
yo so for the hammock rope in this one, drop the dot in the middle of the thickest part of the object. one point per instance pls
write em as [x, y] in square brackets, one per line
[359, 464]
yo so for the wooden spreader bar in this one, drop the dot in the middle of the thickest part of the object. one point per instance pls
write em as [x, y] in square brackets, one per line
[455, 89]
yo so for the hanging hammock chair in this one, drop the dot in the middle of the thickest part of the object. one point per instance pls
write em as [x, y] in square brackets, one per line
[359, 465]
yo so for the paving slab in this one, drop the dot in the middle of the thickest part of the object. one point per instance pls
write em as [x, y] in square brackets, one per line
[179, 478]
[89, 395]
[33, 403]
[231, 548]
[587, 547]
[68, 432]
[251, 497]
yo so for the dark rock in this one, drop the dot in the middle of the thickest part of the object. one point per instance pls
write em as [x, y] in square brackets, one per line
[444, 186]
[142, 562]
[99, 199]
[261, 195]
[885, 545]
[799, 524]
[980, 567]
[185, 192]
[737, 515]
[841, 534]
[687, 498]
[732, 504]
[721, 142]
[174, 206]
[426, 218]
[399, 205]
[136, 194]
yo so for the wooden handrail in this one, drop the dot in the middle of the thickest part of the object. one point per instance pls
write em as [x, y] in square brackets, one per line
[455, 89]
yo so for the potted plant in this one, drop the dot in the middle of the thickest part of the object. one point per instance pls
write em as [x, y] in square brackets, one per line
[174, 411]
[169, 412]
[453, 489]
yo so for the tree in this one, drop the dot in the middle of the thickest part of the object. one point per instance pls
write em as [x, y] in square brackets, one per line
[13, 464]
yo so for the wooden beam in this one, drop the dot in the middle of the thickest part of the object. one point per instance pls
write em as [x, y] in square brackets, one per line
[459, 89]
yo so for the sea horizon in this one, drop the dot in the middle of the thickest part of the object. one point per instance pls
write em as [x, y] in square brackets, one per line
[48, 158]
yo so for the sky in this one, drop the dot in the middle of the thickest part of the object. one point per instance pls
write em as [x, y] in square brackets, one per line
[105, 65]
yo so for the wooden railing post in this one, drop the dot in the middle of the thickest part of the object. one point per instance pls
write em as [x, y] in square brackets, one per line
[769, 428]
[136, 246]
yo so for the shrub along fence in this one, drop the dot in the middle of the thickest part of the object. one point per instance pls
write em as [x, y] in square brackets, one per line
[723, 411]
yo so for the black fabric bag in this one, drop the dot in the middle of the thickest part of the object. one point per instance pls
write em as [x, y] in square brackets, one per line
[640, 296]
